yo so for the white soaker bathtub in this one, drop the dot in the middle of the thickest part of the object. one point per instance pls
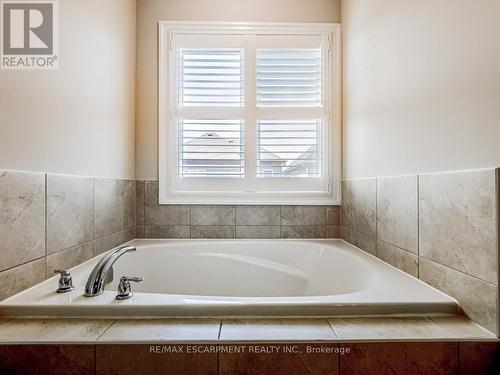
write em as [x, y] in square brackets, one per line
[240, 278]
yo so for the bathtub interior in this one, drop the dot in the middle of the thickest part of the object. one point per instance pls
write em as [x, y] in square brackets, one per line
[245, 269]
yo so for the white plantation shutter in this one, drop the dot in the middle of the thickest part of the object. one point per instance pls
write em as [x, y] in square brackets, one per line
[249, 116]
[289, 148]
[211, 148]
[210, 86]
[289, 77]
[290, 80]
[210, 77]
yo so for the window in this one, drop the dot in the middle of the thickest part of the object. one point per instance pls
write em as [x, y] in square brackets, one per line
[249, 113]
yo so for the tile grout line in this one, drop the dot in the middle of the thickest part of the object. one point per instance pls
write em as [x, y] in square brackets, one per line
[68, 248]
[22, 264]
[45, 222]
[103, 236]
[106, 330]
[5, 322]
[325, 220]
[220, 329]
[93, 216]
[497, 196]
[135, 209]
[190, 223]
[338, 364]
[234, 228]
[418, 226]
[398, 247]
[281, 221]
[333, 329]
[376, 216]
[454, 269]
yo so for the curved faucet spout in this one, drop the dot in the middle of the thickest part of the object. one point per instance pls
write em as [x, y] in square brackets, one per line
[96, 282]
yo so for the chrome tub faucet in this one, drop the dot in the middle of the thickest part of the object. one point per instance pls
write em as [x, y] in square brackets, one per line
[99, 275]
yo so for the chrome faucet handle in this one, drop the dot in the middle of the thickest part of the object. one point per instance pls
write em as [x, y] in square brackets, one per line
[65, 282]
[124, 289]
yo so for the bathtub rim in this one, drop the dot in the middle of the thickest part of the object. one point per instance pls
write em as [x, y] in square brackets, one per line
[451, 306]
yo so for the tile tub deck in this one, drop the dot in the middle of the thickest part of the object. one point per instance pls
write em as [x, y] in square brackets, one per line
[97, 331]
[426, 345]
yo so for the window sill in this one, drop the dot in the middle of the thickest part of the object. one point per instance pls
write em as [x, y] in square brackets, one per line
[249, 199]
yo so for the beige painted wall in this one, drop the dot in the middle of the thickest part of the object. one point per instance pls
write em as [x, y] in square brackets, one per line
[421, 85]
[78, 119]
[149, 12]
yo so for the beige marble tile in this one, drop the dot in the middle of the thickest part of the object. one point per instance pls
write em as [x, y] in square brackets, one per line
[52, 330]
[151, 330]
[345, 208]
[364, 242]
[258, 231]
[457, 222]
[70, 220]
[345, 233]
[108, 206]
[139, 201]
[333, 231]
[399, 258]
[212, 231]
[276, 329]
[303, 215]
[129, 204]
[461, 327]
[22, 217]
[166, 215]
[140, 231]
[303, 231]
[66, 259]
[167, 231]
[332, 215]
[108, 242]
[258, 215]
[129, 234]
[477, 298]
[17, 279]
[363, 201]
[406, 328]
[155, 214]
[213, 215]
[397, 211]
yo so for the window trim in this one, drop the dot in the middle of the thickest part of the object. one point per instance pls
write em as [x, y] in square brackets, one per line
[166, 30]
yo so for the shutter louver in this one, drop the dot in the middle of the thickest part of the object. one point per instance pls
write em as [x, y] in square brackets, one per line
[289, 148]
[211, 148]
[288, 77]
[211, 77]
